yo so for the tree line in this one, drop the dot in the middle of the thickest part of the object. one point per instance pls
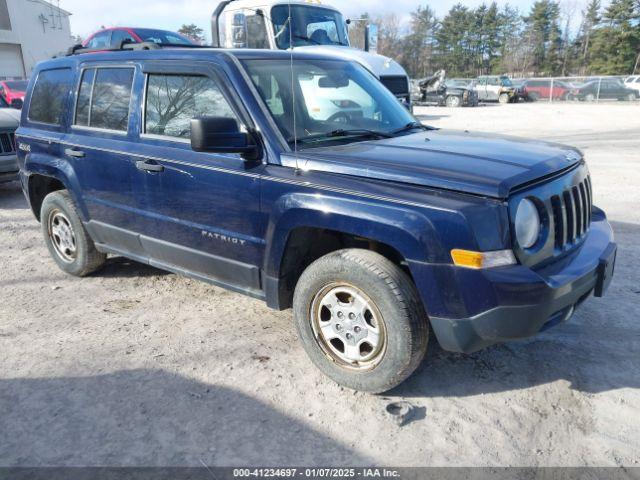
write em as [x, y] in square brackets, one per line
[546, 41]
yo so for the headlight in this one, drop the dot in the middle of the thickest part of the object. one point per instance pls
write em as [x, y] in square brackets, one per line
[527, 224]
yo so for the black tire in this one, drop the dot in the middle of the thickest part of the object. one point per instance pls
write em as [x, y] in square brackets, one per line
[534, 96]
[631, 97]
[85, 259]
[403, 318]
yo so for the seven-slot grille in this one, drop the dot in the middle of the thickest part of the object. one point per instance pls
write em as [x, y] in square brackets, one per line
[397, 84]
[572, 213]
[7, 143]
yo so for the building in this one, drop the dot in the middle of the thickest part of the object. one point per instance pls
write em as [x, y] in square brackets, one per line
[31, 31]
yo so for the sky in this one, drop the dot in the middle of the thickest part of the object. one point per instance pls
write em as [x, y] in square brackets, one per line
[88, 16]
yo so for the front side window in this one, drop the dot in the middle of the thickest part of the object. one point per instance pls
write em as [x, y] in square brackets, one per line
[49, 96]
[330, 98]
[104, 98]
[173, 100]
[257, 32]
[311, 26]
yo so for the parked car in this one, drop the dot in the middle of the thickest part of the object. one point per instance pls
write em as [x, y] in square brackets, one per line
[373, 227]
[13, 91]
[9, 120]
[440, 91]
[605, 89]
[633, 82]
[494, 88]
[112, 37]
[546, 89]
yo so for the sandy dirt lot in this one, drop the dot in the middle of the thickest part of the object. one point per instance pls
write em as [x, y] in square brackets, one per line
[135, 366]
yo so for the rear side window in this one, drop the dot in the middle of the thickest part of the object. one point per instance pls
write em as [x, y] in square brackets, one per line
[173, 100]
[49, 96]
[104, 98]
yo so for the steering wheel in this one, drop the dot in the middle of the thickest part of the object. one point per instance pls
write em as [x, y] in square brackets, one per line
[339, 117]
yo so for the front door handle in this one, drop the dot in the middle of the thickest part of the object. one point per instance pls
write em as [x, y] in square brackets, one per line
[72, 152]
[148, 166]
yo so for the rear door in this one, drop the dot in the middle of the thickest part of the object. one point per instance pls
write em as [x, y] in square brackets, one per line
[99, 147]
[200, 211]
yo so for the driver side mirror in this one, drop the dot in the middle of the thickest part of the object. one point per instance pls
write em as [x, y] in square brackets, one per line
[17, 103]
[222, 135]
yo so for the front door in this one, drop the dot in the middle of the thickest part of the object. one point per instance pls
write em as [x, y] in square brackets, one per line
[201, 211]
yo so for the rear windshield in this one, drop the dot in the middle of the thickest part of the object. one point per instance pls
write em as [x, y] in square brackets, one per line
[162, 37]
[50, 95]
[18, 85]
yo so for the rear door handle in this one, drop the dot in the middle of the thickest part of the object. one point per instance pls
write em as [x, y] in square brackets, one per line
[72, 152]
[148, 166]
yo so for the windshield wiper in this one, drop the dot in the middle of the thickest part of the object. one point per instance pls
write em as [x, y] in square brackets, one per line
[341, 133]
[412, 126]
[307, 39]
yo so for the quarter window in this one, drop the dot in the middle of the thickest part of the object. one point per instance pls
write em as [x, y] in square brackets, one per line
[104, 98]
[49, 95]
[173, 100]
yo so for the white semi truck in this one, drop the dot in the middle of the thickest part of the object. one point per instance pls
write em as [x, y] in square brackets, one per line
[265, 24]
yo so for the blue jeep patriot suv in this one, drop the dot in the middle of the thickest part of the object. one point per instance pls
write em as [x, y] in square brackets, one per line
[300, 179]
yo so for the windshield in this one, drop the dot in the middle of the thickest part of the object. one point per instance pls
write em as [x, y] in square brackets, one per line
[17, 85]
[311, 26]
[506, 82]
[330, 96]
[162, 37]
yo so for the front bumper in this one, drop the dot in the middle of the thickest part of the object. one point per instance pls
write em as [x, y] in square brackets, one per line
[8, 168]
[478, 308]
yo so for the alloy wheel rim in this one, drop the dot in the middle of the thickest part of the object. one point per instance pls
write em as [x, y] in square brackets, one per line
[62, 235]
[348, 327]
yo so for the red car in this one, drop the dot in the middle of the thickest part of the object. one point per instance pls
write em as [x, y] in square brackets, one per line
[111, 37]
[12, 90]
[541, 89]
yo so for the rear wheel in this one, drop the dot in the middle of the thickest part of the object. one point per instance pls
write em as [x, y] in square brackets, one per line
[534, 96]
[66, 238]
[590, 97]
[453, 101]
[631, 97]
[360, 320]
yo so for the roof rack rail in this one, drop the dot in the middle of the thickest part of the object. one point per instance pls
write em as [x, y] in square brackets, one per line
[128, 45]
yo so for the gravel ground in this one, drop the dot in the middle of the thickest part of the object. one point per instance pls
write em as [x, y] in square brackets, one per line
[135, 366]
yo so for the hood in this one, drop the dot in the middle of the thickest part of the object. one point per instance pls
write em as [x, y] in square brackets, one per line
[490, 166]
[379, 65]
[9, 118]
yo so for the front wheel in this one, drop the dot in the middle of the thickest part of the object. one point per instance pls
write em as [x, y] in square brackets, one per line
[453, 101]
[504, 98]
[360, 320]
[590, 97]
[631, 97]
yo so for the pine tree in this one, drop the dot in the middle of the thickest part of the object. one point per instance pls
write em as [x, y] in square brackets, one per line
[616, 45]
